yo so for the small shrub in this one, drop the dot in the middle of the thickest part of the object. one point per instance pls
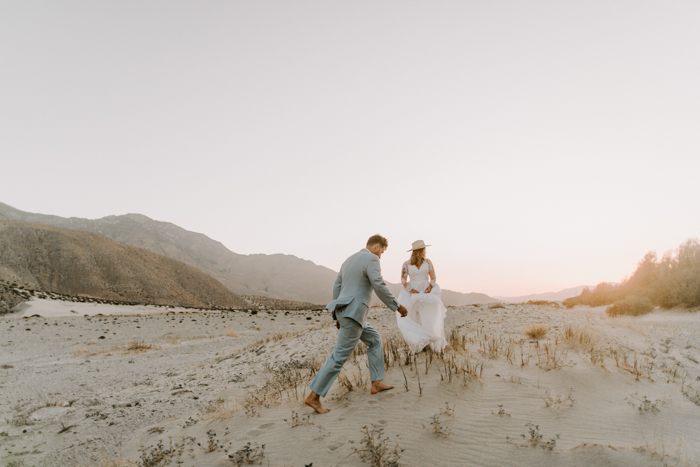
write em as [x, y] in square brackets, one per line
[632, 306]
[296, 420]
[248, 455]
[556, 402]
[501, 412]
[375, 448]
[231, 333]
[645, 405]
[536, 331]
[158, 455]
[439, 428]
[536, 439]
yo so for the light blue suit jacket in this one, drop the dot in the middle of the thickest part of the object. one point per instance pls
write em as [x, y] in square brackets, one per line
[352, 292]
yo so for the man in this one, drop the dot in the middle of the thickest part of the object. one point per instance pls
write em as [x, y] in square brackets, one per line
[352, 293]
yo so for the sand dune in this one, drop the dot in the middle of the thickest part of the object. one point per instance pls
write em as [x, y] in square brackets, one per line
[213, 382]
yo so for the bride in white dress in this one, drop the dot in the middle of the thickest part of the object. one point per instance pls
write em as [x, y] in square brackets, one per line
[424, 324]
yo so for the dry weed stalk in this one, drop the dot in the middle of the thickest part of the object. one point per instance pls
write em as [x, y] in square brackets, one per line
[249, 454]
[84, 351]
[287, 381]
[176, 339]
[374, 447]
[345, 382]
[556, 402]
[139, 346]
[536, 439]
[296, 420]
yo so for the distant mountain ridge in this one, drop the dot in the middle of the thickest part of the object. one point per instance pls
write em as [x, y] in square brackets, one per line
[75, 263]
[278, 276]
[549, 296]
[273, 276]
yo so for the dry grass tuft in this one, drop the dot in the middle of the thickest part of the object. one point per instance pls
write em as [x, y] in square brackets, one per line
[375, 449]
[231, 333]
[139, 346]
[177, 339]
[536, 331]
[220, 410]
[85, 351]
[578, 335]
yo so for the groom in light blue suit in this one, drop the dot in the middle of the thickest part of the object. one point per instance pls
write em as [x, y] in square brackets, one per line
[352, 294]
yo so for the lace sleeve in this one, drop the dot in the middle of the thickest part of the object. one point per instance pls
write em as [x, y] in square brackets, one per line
[431, 272]
[404, 276]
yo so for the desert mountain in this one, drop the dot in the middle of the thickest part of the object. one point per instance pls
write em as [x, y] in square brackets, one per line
[274, 276]
[71, 262]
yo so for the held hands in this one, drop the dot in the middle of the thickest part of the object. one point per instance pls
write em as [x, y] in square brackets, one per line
[402, 311]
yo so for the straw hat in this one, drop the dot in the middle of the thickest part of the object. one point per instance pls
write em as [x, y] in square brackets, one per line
[417, 245]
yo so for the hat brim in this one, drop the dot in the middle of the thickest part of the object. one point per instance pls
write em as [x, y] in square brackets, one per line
[412, 249]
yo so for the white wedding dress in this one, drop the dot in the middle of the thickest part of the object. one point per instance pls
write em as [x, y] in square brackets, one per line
[425, 323]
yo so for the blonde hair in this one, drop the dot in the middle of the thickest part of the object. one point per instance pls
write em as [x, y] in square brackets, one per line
[417, 257]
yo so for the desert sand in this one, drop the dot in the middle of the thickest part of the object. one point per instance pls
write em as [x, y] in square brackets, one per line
[105, 385]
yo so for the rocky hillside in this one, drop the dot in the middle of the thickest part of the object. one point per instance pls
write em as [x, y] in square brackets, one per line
[9, 297]
[274, 276]
[283, 277]
[72, 262]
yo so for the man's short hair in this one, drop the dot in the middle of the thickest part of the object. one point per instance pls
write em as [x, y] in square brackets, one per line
[374, 239]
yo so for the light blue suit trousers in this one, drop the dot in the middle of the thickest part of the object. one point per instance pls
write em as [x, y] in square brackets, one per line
[359, 275]
[350, 332]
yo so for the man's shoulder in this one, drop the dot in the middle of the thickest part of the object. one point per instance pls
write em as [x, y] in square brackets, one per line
[363, 253]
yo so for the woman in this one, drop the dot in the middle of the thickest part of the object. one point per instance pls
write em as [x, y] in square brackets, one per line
[424, 324]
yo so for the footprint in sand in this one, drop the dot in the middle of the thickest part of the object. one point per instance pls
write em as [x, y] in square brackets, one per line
[334, 446]
[255, 433]
[266, 426]
[373, 402]
[382, 422]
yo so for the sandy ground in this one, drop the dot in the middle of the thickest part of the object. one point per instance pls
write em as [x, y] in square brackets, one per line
[153, 386]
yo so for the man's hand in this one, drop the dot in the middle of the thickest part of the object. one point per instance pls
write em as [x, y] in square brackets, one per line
[402, 311]
[414, 291]
[337, 324]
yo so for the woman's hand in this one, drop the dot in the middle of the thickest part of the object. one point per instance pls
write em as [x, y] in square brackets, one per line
[430, 287]
[414, 291]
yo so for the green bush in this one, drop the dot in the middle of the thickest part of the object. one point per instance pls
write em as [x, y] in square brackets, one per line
[631, 306]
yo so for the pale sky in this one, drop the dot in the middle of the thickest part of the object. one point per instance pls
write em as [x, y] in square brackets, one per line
[537, 145]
